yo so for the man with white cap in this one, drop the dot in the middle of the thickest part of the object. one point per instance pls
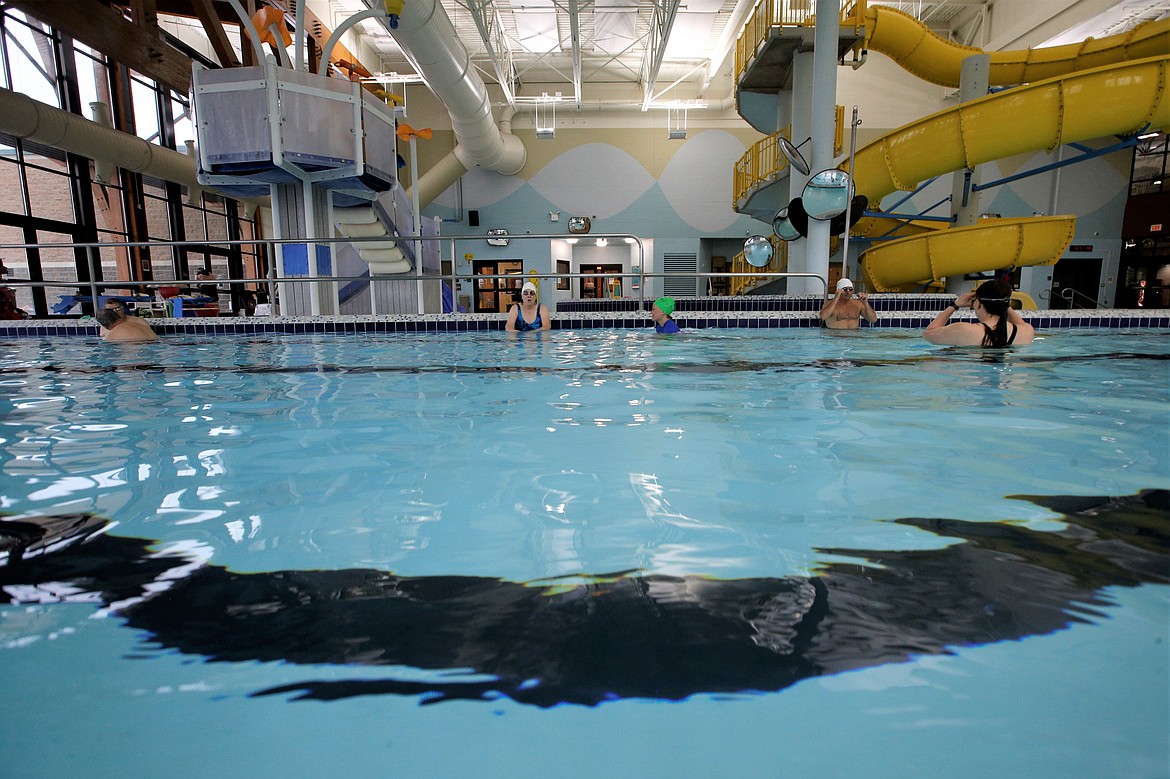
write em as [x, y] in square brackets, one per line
[844, 312]
[529, 313]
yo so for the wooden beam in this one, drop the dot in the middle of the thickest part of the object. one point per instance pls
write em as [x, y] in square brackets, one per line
[213, 26]
[145, 15]
[105, 30]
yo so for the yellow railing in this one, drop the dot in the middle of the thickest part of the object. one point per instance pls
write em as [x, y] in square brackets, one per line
[781, 13]
[738, 285]
[762, 164]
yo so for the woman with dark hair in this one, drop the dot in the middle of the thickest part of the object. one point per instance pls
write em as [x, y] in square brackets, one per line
[999, 324]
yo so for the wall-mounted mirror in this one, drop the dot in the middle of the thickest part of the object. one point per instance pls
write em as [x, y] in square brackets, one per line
[782, 226]
[757, 250]
[827, 194]
[578, 225]
[792, 153]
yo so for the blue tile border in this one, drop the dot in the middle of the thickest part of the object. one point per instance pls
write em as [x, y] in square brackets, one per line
[800, 313]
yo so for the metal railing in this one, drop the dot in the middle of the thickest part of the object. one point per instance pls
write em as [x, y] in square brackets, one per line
[99, 287]
[1070, 295]
[761, 164]
[782, 13]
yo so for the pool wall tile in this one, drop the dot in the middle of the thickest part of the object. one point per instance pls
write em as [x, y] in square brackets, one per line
[757, 311]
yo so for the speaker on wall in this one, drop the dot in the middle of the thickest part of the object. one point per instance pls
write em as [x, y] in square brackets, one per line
[473, 218]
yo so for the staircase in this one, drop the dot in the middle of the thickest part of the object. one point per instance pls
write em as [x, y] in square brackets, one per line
[384, 257]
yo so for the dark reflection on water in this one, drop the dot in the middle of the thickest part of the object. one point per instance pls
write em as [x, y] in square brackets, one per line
[625, 635]
[957, 354]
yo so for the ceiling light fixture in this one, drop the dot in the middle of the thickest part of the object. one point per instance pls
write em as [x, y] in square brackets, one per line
[546, 116]
[676, 123]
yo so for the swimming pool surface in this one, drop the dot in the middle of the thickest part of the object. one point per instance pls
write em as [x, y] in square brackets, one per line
[729, 553]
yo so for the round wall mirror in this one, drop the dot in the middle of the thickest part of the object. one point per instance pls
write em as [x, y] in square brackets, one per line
[757, 250]
[783, 228]
[579, 224]
[827, 194]
[792, 153]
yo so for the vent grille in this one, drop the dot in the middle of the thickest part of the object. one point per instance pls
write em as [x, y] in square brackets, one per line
[679, 263]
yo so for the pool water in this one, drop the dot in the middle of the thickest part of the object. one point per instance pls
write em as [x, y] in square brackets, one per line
[729, 552]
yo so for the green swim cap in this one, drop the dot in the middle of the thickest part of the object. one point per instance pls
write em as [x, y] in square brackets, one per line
[665, 305]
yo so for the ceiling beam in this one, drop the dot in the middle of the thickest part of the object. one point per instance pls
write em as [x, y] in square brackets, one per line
[575, 40]
[106, 30]
[145, 15]
[665, 12]
[213, 26]
[486, 15]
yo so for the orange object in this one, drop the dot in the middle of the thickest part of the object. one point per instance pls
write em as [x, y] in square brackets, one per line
[405, 132]
[354, 70]
[264, 19]
[168, 292]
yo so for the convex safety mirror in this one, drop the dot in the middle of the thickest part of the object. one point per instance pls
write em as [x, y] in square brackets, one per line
[783, 227]
[792, 153]
[827, 194]
[757, 250]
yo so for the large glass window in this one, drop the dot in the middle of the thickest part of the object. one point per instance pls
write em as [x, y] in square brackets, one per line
[47, 196]
[12, 184]
[1149, 164]
[30, 64]
[145, 97]
[49, 185]
[93, 78]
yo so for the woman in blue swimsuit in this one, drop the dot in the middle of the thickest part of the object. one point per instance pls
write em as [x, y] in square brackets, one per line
[529, 313]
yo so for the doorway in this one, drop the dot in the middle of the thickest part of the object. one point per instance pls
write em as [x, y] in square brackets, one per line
[495, 296]
[1076, 282]
[606, 281]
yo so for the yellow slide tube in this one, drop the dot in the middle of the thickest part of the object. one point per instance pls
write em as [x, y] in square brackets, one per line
[912, 45]
[1120, 99]
[1114, 100]
[1115, 85]
[997, 243]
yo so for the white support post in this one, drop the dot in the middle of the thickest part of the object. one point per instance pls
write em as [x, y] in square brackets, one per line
[418, 261]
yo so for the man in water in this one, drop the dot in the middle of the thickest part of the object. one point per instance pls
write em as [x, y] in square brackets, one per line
[117, 326]
[844, 312]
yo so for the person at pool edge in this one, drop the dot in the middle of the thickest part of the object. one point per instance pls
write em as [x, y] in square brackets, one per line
[661, 313]
[999, 324]
[529, 313]
[117, 326]
[140, 325]
[207, 287]
[844, 312]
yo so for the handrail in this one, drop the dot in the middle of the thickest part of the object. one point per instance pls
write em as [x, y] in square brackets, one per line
[777, 13]
[1069, 295]
[761, 165]
[752, 276]
[95, 285]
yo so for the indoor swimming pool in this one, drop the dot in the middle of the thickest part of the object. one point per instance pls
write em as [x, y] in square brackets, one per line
[729, 553]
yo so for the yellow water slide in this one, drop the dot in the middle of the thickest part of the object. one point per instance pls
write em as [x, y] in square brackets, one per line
[1099, 90]
[917, 50]
[1005, 243]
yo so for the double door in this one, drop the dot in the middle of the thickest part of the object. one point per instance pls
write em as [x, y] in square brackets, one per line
[497, 295]
[606, 283]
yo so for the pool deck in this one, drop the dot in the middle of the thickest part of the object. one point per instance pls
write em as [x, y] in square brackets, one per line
[912, 312]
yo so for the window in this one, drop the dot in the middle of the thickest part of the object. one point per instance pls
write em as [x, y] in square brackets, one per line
[1149, 164]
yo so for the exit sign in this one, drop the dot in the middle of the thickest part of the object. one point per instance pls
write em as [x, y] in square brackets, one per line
[1155, 228]
[1081, 247]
